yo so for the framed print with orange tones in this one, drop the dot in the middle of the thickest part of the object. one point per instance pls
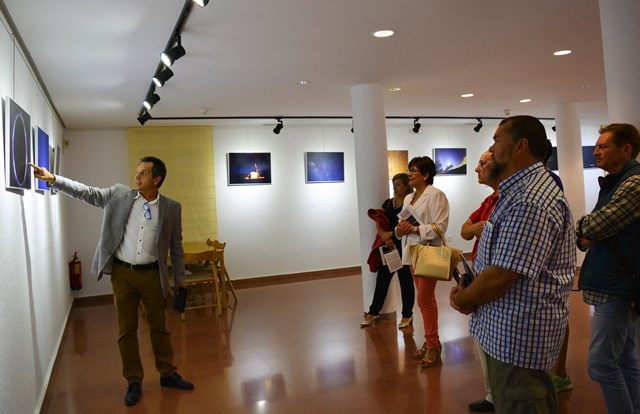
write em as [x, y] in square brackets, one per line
[398, 162]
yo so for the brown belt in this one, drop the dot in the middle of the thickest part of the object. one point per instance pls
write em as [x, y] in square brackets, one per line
[140, 267]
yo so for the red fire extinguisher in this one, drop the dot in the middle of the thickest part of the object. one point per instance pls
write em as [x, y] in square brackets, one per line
[75, 273]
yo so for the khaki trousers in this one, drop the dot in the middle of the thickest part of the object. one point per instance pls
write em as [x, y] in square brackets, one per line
[129, 288]
[517, 390]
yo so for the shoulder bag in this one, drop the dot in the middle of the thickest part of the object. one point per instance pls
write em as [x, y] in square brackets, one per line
[435, 262]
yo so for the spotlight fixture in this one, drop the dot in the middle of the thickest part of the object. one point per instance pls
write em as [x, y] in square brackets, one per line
[201, 3]
[416, 126]
[151, 100]
[278, 127]
[170, 56]
[554, 128]
[144, 117]
[478, 126]
[162, 77]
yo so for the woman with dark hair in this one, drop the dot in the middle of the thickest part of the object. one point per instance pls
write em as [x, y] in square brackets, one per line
[392, 207]
[429, 206]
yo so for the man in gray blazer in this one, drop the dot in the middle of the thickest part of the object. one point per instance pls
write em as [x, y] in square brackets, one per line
[139, 228]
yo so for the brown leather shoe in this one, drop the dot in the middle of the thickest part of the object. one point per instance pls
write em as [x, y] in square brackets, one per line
[134, 389]
[175, 381]
[481, 406]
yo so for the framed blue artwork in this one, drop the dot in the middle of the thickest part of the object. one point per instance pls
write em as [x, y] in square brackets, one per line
[248, 168]
[450, 161]
[552, 164]
[17, 146]
[43, 156]
[588, 160]
[324, 167]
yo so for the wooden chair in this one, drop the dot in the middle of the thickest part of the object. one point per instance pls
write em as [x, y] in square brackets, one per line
[201, 280]
[226, 284]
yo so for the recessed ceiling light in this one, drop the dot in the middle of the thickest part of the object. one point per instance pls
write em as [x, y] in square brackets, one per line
[562, 52]
[466, 95]
[525, 100]
[383, 33]
[395, 89]
[302, 82]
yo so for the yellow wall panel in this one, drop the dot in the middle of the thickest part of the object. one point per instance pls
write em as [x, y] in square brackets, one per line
[188, 154]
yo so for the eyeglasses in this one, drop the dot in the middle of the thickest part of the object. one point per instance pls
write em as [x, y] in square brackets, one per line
[413, 171]
[147, 210]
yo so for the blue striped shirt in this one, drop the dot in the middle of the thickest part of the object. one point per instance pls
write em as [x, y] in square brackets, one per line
[530, 232]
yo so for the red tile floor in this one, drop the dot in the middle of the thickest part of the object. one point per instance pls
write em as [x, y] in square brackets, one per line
[293, 348]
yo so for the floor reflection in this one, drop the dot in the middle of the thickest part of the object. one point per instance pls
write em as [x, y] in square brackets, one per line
[79, 336]
[336, 374]
[262, 390]
[289, 349]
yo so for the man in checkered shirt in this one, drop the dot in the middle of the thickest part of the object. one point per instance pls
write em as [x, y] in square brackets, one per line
[610, 272]
[525, 265]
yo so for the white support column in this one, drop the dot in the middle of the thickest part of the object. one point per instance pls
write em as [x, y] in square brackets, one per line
[370, 140]
[620, 34]
[570, 159]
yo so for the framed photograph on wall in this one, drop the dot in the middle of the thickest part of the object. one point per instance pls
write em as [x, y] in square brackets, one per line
[17, 146]
[43, 156]
[450, 161]
[248, 168]
[57, 159]
[552, 164]
[588, 160]
[324, 167]
[398, 162]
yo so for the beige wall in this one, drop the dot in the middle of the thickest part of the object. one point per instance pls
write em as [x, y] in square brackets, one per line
[188, 154]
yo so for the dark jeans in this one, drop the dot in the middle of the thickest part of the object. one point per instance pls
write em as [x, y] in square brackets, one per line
[382, 287]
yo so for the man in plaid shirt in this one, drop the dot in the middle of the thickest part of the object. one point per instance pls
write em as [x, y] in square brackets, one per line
[611, 270]
[525, 266]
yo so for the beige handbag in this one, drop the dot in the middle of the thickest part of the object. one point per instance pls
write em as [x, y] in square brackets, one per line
[435, 262]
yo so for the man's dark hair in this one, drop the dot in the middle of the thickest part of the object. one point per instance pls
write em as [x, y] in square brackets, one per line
[623, 134]
[426, 166]
[530, 128]
[158, 170]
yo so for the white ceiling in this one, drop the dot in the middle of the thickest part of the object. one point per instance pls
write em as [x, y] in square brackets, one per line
[244, 57]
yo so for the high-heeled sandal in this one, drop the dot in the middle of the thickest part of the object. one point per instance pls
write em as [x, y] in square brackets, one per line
[404, 325]
[419, 354]
[369, 319]
[431, 357]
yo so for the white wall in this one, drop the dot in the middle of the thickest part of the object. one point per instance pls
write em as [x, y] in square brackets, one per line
[34, 294]
[100, 159]
[288, 226]
[271, 229]
[591, 188]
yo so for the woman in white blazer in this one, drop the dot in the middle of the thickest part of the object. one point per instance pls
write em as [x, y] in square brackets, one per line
[429, 206]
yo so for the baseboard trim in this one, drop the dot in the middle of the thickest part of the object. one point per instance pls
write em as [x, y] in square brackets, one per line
[100, 300]
[296, 277]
